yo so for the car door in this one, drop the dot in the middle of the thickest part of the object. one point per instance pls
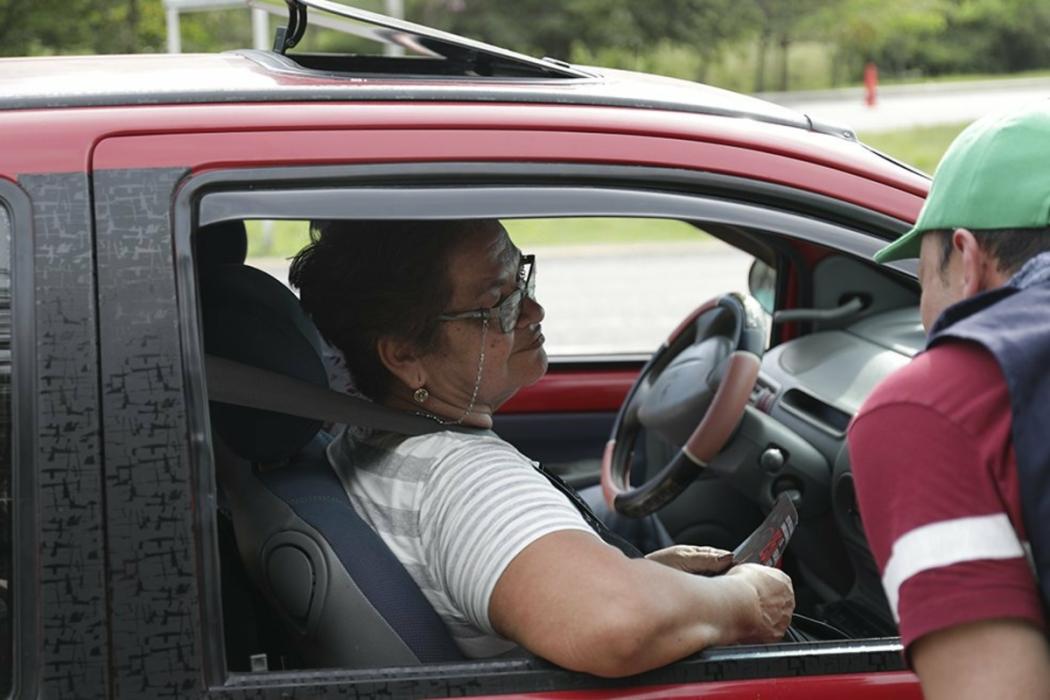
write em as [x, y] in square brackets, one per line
[152, 191]
[54, 502]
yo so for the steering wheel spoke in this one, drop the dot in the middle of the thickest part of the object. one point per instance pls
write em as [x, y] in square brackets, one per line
[717, 374]
[702, 325]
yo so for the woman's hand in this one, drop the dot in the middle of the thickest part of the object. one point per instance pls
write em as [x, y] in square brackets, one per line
[775, 601]
[767, 617]
[692, 559]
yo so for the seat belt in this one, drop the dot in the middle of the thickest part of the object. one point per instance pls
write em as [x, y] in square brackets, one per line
[239, 384]
[251, 387]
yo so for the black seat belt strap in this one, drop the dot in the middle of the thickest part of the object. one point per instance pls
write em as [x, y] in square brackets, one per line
[243, 385]
[589, 516]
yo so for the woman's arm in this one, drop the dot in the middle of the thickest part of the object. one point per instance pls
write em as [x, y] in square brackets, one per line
[581, 604]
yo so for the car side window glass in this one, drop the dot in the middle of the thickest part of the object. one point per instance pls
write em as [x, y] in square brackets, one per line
[6, 455]
[621, 285]
[609, 286]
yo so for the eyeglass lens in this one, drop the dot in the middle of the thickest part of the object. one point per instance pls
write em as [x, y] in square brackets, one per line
[510, 311]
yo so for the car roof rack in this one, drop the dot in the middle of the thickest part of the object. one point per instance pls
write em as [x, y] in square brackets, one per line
[459, 55]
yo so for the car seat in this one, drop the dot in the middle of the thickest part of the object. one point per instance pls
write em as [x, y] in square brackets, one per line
[343, 598]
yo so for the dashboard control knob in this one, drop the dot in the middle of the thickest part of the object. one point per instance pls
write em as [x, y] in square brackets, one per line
[773, 459]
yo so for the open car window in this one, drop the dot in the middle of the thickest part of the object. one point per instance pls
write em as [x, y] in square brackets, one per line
[613, 288]
[609, 285]
[617, 270]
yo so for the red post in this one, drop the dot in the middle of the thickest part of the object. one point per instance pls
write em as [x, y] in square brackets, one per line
[871, 84]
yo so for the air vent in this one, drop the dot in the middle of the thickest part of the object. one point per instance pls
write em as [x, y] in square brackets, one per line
[815, 411]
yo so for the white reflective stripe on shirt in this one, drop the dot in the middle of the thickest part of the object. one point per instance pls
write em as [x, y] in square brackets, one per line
[945, 543]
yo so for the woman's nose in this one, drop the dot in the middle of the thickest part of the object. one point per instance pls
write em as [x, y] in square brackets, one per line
[531, 312]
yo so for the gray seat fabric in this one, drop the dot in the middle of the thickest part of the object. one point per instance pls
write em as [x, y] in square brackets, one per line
[343, 597]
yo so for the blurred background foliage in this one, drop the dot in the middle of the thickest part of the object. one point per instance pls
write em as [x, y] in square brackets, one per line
[748, 45]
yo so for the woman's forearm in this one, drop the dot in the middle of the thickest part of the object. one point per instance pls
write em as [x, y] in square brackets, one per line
[582, 605]
[681, 614]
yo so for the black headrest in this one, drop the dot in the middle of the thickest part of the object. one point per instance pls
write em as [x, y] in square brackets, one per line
[252, 318]
[222, 244]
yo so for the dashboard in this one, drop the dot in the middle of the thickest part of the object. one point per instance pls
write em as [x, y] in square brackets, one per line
[816, 384]
[793, 438]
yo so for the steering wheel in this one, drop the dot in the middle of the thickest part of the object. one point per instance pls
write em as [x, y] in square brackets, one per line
[692, 393]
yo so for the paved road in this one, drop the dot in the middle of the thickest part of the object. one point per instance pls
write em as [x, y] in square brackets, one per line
[630, 298]
[903, 106]
[623, 298]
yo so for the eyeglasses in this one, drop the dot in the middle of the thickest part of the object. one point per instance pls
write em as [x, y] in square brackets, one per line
[507, 311]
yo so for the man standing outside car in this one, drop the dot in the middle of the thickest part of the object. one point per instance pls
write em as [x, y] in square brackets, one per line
[951, 454]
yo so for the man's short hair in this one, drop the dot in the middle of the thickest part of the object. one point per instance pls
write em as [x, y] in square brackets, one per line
[1011, 247]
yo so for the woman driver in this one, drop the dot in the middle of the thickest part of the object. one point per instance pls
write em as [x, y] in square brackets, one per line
[439, 319]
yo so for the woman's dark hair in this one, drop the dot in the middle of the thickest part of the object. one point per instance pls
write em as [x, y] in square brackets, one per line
[362, 280]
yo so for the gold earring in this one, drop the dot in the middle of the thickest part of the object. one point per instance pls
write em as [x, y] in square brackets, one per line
[420, 395]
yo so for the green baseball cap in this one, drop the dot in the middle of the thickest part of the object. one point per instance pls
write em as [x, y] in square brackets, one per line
[996, 174]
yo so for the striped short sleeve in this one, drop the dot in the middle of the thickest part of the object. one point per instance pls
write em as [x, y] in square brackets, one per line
[484, 504]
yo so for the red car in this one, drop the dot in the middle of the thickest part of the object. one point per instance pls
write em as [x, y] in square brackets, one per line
[132, 566]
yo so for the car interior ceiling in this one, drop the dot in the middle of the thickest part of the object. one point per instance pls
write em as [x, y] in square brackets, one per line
[281, 459]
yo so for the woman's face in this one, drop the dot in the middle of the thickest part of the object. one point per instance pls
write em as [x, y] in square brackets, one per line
[484, 270]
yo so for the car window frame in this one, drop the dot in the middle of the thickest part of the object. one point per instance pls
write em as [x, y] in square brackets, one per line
[451, 190]
[25, 593]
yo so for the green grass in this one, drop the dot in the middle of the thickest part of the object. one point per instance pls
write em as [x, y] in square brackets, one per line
[283, 239]
[921, 146]
[810, 67]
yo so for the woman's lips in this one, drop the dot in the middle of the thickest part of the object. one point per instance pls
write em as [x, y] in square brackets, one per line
[536, 342]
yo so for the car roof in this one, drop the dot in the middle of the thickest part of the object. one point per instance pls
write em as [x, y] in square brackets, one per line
[263, 76]
[449, 70]
[446, 67]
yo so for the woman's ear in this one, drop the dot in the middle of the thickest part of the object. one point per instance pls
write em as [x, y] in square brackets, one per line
[402, 360]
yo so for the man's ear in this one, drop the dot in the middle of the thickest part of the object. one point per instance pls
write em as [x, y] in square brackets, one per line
[401, 358]
[980, 270]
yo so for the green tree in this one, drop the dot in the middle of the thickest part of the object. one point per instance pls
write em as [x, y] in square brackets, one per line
[930, 37]
[705, 26]
[866, 30]
[781, 22]
[616, 33]
[684, 38]
[531, 26]
[997, 35]
[80, 26]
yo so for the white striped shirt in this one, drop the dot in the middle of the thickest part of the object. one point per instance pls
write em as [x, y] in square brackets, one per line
[455, 509]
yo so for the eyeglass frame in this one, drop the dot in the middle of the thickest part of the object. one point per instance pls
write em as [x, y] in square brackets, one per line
[525, 288]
